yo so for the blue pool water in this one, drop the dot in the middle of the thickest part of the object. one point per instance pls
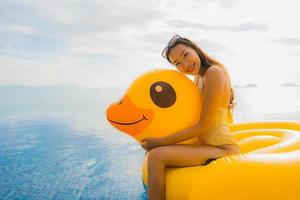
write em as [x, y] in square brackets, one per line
[55, 142]
[57, 145]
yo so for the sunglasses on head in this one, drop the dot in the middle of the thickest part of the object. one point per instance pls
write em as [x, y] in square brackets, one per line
[171, 44]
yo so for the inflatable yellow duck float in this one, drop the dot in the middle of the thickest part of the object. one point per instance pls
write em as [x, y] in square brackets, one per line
[162, 102]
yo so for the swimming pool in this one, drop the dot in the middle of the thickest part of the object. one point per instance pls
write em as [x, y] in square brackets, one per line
[52, 151]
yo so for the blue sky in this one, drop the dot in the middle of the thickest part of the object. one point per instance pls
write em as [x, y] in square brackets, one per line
[109, 43]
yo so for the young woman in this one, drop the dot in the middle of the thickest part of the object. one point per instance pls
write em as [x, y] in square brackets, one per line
[212, 132]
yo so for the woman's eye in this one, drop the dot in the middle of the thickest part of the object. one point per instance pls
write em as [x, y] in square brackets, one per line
[185, 54]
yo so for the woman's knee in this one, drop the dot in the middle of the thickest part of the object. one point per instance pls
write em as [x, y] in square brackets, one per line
[154, 154]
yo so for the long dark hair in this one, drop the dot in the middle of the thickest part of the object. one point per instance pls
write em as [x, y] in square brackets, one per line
[206, 60]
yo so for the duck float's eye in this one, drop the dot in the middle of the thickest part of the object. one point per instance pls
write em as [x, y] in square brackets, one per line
[162, 94]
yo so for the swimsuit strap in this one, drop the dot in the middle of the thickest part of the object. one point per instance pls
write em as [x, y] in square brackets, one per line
[198, 81]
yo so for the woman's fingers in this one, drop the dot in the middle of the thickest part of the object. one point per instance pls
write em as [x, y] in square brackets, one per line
[146, 146]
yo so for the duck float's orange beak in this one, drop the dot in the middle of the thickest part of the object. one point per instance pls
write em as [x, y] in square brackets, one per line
[128, 118]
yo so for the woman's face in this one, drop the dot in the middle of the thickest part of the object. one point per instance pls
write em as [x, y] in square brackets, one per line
[185, 59]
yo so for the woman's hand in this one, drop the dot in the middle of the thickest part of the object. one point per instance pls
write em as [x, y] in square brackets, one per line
[150, 143]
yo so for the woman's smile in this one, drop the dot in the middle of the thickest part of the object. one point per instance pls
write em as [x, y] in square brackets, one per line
[191, 68]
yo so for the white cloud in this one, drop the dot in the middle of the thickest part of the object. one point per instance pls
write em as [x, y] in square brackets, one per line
[103, 43]
[19, 29]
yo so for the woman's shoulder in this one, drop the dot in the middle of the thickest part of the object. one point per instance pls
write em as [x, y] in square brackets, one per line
[215, 71]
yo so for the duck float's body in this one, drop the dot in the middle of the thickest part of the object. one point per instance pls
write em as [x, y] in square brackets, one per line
[267, 168]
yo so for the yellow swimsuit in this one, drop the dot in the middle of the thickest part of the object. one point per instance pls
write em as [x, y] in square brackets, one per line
[219, 134]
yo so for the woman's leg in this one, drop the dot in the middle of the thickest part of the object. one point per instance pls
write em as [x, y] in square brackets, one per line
[177, 155]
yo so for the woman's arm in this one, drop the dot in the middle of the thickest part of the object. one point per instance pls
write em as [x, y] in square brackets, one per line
[212, 97]
[186, 134]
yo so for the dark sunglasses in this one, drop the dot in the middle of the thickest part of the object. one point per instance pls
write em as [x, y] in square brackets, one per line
[171, 44]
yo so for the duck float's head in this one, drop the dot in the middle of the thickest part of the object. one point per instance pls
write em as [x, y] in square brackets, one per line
[156, 104]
